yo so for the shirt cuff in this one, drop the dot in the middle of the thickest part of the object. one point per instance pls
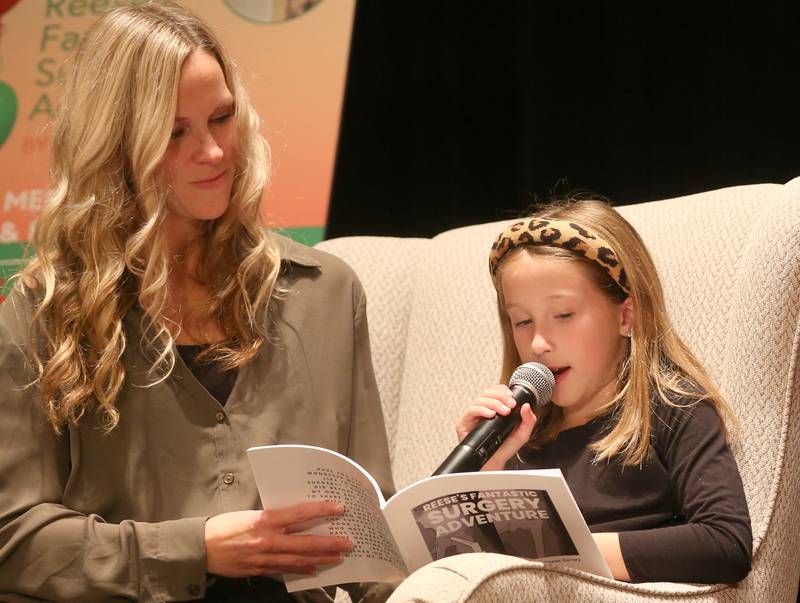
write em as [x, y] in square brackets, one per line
[175, 569]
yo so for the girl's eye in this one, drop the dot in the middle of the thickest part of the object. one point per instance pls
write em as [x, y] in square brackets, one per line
[177, 133]
[564, 316]
[523, 323]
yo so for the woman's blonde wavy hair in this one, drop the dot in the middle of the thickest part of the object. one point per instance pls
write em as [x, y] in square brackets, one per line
[99, 240]
[658, 363]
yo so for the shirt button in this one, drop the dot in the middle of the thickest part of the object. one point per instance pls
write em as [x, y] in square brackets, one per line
[228, 479]
[220, 417]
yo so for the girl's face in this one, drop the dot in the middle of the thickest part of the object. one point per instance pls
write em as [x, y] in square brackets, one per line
[561, 319]
[199, 162]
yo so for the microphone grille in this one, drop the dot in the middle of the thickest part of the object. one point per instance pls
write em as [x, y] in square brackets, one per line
[536, 377]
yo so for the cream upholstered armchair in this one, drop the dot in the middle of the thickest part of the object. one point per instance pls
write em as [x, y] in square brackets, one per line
[730, 264]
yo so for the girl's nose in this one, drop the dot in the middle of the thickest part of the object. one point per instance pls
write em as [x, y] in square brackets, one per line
[540, 345]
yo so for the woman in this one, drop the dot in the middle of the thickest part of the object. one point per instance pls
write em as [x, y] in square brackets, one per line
[159, 332]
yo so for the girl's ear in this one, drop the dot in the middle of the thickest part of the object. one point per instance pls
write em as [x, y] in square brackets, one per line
[626, 318]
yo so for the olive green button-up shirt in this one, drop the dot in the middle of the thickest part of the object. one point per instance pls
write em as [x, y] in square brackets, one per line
[90, 517]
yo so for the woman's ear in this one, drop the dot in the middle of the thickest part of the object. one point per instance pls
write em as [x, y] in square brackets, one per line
[626, 318]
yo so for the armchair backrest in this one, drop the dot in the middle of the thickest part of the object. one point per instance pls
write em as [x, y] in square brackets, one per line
[729, 261]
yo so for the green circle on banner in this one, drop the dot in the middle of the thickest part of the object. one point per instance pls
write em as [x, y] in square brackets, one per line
[8, 111]
[271, 11]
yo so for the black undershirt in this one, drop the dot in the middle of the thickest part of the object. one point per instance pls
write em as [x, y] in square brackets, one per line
[219, 383]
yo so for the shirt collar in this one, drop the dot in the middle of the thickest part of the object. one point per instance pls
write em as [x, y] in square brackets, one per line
[295, 253]
[290, 251]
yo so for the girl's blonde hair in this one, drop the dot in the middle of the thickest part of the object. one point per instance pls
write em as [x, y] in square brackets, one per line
[99, 240]
[658, 364]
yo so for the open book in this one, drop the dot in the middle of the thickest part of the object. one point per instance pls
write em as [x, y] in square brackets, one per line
[529, 514]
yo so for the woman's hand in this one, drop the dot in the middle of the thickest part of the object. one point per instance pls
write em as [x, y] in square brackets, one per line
[252, 543]
[498, 400]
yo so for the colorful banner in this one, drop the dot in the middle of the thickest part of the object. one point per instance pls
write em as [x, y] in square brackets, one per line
[293, 58]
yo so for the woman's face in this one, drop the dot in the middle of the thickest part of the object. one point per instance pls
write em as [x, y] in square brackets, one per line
[561, 319]
[199, 162]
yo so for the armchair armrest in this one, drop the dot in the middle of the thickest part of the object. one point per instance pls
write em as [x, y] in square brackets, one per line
[488, 577]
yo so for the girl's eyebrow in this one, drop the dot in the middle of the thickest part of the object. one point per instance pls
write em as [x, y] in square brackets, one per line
[556, 295]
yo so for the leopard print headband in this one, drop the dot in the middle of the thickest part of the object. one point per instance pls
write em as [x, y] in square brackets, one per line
[558, 233]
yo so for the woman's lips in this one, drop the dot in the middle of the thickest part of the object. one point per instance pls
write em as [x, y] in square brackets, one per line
[211, 182]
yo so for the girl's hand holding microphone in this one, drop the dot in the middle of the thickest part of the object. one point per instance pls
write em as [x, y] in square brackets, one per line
[491, 402]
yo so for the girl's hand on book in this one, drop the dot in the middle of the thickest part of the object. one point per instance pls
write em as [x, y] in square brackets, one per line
[497, 399]
[608, 543]
[257, 543]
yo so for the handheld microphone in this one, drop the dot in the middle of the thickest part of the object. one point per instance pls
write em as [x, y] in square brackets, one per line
[532, 383]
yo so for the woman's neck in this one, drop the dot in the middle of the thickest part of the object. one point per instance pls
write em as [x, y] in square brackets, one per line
[182, 243]
[190, 295]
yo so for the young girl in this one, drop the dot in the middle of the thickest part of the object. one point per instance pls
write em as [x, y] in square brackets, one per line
[635, 424]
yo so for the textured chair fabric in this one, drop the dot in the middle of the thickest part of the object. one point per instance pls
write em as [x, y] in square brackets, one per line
[729, 261]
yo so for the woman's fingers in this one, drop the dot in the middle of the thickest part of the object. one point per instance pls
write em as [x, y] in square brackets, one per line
[246, 543]
[281, 518]
[304, 544]
[278, 527]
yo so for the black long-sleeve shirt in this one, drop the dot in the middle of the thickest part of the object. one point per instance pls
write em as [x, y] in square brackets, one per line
[682, 516]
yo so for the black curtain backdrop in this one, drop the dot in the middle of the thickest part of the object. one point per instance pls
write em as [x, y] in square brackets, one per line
[458, 112]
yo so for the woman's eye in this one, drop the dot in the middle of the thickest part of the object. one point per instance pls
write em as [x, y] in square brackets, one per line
[222, 118]
[564, 315]
[523, 323]
[177, 133]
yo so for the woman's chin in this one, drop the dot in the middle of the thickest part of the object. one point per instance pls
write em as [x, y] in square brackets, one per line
[209, 212]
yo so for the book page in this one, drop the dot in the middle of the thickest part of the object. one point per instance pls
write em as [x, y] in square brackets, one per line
[528, 514]
[288, 475]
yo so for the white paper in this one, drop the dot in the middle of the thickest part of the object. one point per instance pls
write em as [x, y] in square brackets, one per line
[529, 514]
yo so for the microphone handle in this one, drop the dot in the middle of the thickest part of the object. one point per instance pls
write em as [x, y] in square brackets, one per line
[481, 443]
